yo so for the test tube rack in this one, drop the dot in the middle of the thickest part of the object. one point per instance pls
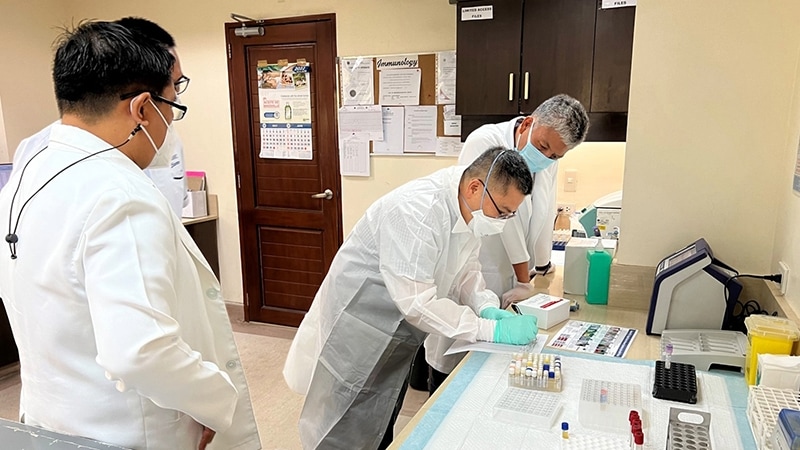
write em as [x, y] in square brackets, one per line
[535, 371]
[686, 432]
[531, 408]
[606, 405]
[677, 383]
[702, 348]
[763, 406]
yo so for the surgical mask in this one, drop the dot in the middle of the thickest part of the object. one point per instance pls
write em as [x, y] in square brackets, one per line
[481, 225]
[164, 153]
[535, 159]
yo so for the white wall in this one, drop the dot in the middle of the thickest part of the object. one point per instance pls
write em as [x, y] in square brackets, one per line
[599, 166]
[707, 155]
[787, 232]
[27, 33]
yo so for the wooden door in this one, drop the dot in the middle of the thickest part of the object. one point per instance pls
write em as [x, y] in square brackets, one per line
[613, 50]
[487, 65]
[288, 237]
[557, 47]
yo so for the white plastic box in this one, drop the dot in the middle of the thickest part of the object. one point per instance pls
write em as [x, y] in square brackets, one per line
[778, 371]
[576, 266]
[197, 205]
[532, 408]
[549, 310]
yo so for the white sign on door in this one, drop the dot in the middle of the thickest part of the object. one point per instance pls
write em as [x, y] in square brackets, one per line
[477, 13]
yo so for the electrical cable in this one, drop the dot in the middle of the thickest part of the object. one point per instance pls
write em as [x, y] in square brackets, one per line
[750, 307]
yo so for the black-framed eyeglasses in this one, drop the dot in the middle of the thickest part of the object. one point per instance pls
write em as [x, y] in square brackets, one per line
[502, 215]
[178, 110]
[182, 84]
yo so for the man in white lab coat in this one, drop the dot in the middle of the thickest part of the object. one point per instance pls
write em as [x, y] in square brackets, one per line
[510, 259]
[122, 333]
[409, 268]
[171, 181]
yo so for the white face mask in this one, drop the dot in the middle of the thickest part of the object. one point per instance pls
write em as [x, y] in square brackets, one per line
[164, 153]
[482, 226]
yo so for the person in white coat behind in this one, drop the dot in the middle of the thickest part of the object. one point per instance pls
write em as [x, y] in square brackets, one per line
[409, 268]
[509, 260]
[122, 334]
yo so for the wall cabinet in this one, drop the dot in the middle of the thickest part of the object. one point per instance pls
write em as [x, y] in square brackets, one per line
[530, 50]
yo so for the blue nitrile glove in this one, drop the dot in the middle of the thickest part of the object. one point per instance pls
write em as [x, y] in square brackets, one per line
[494, 313]
[517, 330]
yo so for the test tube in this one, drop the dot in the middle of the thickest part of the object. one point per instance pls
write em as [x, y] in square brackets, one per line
[667, 355]
[564, 430]
[603, 398]
[638, 440]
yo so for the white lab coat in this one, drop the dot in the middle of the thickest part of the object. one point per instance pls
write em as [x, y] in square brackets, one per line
[526, 237]
[171, 181]
[122, 333]
[408, 268]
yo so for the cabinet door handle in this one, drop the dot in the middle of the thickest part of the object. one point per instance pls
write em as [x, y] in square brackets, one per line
[511, 87]
[527, 80]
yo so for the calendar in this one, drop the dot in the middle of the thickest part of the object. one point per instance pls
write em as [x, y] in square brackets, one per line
[285, 141]
[284, 98]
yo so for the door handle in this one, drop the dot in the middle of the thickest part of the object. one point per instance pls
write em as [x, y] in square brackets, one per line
[327, 195]
[527, 80]
[511, 87]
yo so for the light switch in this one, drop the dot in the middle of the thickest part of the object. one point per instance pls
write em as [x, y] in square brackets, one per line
[570, 180]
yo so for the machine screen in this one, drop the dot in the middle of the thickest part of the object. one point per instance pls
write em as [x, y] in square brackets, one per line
[680, 256]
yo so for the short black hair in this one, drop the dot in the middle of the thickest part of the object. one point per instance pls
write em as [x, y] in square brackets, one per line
[509, 169]
[149, 29]
[97, 62]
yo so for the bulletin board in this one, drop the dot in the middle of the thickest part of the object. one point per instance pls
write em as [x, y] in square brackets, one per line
[436, 88]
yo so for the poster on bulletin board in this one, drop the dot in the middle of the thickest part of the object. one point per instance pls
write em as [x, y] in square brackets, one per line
[284, 105]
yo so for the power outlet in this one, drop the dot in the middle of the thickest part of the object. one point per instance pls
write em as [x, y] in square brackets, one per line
[784, 276]
[567, 208]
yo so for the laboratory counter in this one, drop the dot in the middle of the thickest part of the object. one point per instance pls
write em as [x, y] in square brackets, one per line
[640, 355]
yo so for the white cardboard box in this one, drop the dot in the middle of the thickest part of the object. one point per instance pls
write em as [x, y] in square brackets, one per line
[549, 310]
[197, 205]
[576, 266]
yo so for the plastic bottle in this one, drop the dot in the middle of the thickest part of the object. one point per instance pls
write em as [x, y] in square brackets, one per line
[599, 274]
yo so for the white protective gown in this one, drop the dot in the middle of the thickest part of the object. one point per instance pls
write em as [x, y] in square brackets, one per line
[171, 181]
[122, 333]
[408, 268]
[526, 237]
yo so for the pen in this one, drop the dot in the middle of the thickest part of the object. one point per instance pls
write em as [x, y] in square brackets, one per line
[549, 304]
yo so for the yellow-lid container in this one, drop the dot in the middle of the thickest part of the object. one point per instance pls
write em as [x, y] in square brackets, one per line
[767, 334]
